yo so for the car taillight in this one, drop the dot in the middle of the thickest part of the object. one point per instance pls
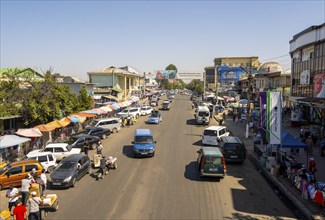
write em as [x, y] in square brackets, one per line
[224, 164]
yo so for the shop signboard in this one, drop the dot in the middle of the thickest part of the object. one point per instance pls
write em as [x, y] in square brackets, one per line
[263, 114]
[305, 77]
[273, 117]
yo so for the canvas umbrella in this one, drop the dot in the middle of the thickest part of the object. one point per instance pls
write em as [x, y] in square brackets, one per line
[12, 140]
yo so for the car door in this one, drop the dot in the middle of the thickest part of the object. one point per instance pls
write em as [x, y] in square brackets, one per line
[59, 153]
[43, 160]
[96, 132]
[85, 164]
[14, 176]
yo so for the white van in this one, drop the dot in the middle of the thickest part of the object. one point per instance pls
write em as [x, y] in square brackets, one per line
[113, 124]
[212, 134]
[202, 115]
[46, 159]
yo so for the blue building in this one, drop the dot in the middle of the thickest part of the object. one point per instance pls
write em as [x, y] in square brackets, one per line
[229, 76]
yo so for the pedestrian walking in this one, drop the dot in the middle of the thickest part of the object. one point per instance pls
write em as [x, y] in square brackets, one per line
[20, 212]
[99, 148]
[34, 211]
[12, 194]
[43, 182]
[310, 147]
[234, 117]
[102, 167]
[86, 147]
[25, 185]
[312, 166]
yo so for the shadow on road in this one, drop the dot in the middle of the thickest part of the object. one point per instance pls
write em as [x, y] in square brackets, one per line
[192, 173]
[190, 121]
[198, 143]
[128, 151]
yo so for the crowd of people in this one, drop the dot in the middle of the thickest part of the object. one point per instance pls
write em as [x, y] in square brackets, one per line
[19, 200]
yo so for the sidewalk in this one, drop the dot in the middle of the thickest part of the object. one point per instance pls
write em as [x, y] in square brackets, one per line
[308, 208]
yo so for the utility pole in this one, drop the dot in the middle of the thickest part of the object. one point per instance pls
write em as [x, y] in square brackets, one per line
[216, 78]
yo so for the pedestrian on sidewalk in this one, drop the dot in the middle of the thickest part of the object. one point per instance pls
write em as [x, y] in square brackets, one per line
[25, 185]
[310, 143]
[99, 148]
[20, 211]
[43, 182]
[34, 203]
[12, 194]
[86, 147]
[312, 166]
[234, 117]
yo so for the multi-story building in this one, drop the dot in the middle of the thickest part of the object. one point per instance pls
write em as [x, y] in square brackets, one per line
[188, 77]
[307, 50]
[119, 80]
[209, 73]
[245, 62]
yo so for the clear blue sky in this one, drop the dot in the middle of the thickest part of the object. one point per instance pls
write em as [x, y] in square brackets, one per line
[75, 37]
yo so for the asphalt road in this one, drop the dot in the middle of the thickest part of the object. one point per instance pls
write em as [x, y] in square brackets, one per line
[168, 186]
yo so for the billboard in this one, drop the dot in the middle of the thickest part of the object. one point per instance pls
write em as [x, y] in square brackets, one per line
[319, 85]
[166, 74]
[273, 117]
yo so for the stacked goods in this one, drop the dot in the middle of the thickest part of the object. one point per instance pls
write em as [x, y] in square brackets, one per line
[35, 188]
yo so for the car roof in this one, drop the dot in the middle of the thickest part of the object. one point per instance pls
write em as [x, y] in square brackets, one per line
[217, 128]
[213, 151]
[81, 135]
[57, 145]
[74, 157]
[106, 119]
[143, 132]
[231, 139]
[23, 162]
[37, 153]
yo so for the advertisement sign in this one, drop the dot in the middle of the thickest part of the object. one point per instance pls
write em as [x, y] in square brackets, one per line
[319, 85]
[263, 113]
[166, 74]
[305, 77]
[273, 117]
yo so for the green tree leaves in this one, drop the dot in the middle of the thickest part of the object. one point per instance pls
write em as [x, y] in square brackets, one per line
[196, 85]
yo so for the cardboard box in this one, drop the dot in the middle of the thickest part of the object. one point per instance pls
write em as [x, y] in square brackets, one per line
[35, 188]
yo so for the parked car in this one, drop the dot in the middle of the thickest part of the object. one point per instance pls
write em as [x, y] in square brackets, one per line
[233, 149]
[97, 131]
[170, 97]
[69, 171]
[13, 173]
[79, 140]
[134, 111]
[46, 159]
[113, 124]
[61, 150]
[153, 103]
[154, 118]
[145, 110]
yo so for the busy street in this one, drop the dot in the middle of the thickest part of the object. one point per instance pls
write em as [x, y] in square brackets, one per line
[160, 187]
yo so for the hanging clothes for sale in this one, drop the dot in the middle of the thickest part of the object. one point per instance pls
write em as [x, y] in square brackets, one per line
[319, 198]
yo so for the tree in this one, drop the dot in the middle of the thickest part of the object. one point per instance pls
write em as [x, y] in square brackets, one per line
[171, 67]
[84, 100]
[163, 83]
[196, 85]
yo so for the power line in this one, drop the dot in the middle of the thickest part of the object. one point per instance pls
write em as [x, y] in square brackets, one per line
[277, 57]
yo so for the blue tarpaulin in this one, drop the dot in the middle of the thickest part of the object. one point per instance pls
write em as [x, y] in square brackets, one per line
[288, 141]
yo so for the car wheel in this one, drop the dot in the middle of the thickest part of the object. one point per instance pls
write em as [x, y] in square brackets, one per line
[74, 182]
[50, 169]
[94, 146]
[114, 130]
[104, 136]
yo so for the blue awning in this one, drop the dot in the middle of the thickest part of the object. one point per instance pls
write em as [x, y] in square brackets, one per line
[288, 141]
[74, 120]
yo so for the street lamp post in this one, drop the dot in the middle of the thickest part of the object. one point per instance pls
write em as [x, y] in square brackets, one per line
[249, 78]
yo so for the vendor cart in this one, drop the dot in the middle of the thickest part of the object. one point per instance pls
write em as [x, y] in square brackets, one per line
[50, 204]
[111, 163]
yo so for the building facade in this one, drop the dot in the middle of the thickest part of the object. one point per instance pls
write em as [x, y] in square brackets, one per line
[307, 50]
[209, 80]
[117, 78]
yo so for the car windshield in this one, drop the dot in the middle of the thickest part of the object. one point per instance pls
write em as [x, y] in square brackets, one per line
[232, 146]
[154, 115]
[5, 168]
[125, 111]
[68, 165]
[203, 114]
[144, 108]
[213, 160]
[210, 133]
[93, 123]
[143, 139]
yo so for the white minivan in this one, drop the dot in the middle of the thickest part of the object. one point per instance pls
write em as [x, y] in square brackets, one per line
[113, 124]
[202, 115]
[212, 134]
[46, 159]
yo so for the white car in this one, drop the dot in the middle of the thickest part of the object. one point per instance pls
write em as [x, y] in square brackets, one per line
[134, 111]
[61, 150]
[145, 110]
[46, 159]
